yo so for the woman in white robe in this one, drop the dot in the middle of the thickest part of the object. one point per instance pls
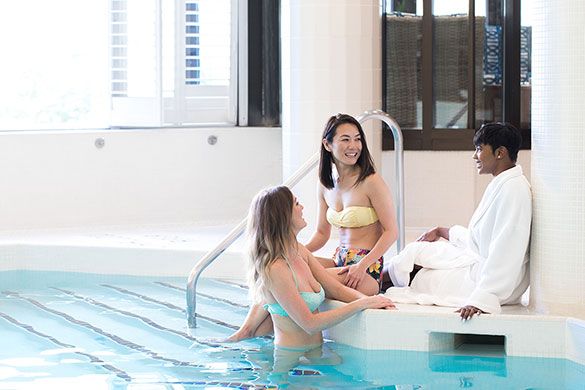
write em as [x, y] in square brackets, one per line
[484, 266]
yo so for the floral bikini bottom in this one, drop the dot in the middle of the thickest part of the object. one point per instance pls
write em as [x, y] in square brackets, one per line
[347, 256]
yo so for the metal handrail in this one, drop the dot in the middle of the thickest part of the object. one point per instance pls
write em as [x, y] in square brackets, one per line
[399, 167]
[290, 182]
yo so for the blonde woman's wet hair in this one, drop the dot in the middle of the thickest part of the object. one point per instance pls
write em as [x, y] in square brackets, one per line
[270, 236]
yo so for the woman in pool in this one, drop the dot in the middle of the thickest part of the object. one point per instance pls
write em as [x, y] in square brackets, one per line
[366, 219]
[288, 280]
[355, 199]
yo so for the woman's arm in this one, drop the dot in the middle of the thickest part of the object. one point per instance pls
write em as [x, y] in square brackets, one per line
[435, 234]
[323, 232]
[257, 323]
[284, 290]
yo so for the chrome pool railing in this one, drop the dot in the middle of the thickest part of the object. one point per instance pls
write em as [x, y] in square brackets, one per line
[398, 167]
[291, 182]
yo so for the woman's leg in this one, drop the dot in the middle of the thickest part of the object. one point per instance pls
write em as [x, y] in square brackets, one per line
[368, 285]
[386, 281]
[325, 262]
[257, 323]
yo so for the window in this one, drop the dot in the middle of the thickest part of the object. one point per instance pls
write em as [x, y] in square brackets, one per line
[110, 63]
[451, 65]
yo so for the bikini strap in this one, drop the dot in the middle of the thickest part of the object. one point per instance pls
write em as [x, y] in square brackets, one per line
[291, 270]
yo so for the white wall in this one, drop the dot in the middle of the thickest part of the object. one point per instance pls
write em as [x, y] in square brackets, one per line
[140, 177]
[60, 179]
[557, 265]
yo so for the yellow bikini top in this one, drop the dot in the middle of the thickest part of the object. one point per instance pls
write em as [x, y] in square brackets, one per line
[352, 216]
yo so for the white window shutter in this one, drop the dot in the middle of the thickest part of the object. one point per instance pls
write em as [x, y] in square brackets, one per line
[136, 59]
[172, 62]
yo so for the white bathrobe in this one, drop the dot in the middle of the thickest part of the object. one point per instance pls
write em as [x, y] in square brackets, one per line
[484, 265]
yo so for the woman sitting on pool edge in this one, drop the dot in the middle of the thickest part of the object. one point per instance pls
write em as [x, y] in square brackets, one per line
[285, 276]
[483, 266]
[355, 199]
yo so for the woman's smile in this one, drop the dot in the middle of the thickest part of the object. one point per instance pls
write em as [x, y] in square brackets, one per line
[485, 160]
[347, 144]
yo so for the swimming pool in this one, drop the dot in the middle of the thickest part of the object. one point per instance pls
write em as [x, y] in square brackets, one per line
[75, 330]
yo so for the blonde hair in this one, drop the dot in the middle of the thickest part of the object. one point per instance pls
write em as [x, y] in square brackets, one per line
[270, 235]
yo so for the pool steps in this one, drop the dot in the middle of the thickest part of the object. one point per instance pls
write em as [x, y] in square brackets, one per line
[104, 324]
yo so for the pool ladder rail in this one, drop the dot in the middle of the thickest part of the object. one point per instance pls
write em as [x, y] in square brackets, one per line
[291, 182]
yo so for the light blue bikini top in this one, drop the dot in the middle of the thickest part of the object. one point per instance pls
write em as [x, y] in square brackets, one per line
[312, 299]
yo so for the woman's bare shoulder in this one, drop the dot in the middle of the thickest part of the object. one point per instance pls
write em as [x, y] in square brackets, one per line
[374, 178]
[304, 252]
[277, 264]
[277, 269]
[375, 182]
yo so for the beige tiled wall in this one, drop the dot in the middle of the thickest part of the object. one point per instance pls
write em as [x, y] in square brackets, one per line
[331, 63]
[441, 188]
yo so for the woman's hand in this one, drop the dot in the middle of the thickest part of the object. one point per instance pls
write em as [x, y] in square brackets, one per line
[355, 274]
[434, 234]
[467, 312]
[377, 302]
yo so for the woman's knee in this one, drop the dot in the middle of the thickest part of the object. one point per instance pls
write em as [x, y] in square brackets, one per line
[266, 328]
[369, 286]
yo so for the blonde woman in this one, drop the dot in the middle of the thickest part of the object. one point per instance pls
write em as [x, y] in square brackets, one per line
[287, 279]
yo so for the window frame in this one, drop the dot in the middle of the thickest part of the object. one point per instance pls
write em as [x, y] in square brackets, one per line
[436, 138]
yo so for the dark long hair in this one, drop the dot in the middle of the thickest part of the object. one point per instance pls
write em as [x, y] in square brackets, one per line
[364, 161]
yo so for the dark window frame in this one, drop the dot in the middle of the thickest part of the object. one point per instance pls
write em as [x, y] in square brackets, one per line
[264, 73]
[432, 138]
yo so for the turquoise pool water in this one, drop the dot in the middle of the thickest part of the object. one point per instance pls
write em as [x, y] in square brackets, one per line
[83, 331]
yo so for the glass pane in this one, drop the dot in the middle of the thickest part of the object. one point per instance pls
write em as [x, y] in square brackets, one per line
[403, 62]
[489, 48]
[450, 73]
[54, 67]
[215, 33]
[525, 64]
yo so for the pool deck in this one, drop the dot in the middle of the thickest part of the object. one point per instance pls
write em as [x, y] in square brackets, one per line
[173, 250]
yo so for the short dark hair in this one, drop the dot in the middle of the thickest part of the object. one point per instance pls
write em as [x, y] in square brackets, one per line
[364, 161]
[498, 134]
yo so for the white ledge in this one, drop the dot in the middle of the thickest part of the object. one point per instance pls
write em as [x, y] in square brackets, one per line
[432, 329]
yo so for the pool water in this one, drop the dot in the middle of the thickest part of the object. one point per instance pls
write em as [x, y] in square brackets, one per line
[85, 331]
